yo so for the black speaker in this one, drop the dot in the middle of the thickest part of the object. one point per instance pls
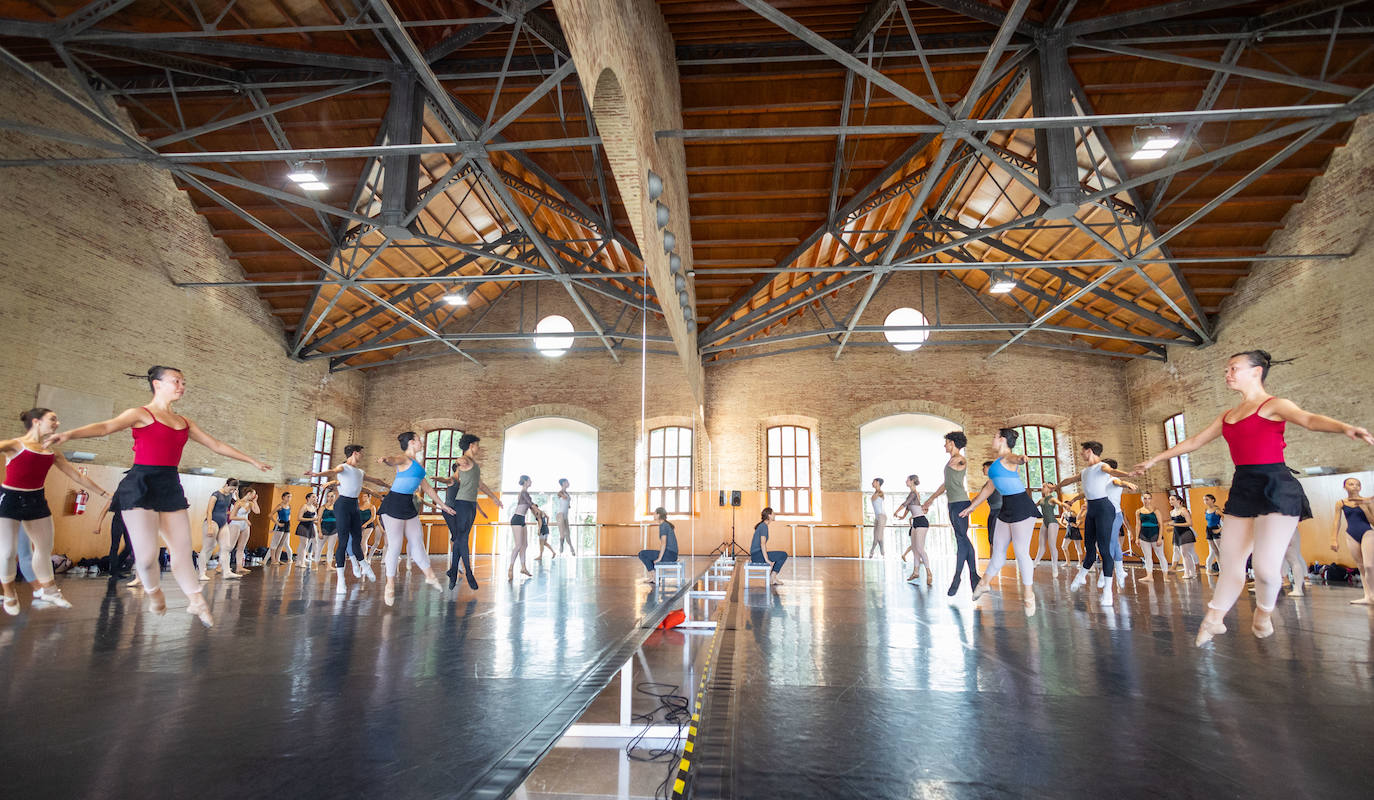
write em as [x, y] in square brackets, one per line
[735, 499]
[722, 497]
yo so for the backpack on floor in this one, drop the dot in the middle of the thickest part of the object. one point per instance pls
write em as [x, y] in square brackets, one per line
[1337, 573]
[60, 564]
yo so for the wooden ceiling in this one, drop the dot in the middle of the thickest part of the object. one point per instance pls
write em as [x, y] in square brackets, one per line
[756, 202]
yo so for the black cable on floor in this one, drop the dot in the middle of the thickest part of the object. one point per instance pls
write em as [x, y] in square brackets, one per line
[676, 710]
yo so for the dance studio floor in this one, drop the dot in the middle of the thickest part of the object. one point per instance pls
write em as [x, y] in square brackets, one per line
[299, 694]
[848, 682]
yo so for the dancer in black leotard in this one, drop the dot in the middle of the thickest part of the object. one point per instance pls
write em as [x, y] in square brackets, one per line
[1357, 512]
[216, 517]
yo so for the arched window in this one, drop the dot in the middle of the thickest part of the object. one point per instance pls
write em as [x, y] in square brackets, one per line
[670, 469]
[790, 460]
[1180, 468]
[441, 448]
[892, 448]
[1037, 443]
[323, 456]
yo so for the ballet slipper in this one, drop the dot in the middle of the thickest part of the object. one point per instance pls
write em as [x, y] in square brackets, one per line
[913, 577]
[204, 577]
[232, 576]
[777, 581]
[157, 601]
[1146, 579]
[1262, 628]
[1296, 591]
[930, 579]
[1209, 629]
[1361, 601]
[199, 608]
[650, 580]
[980, 590]
[525, 572]
[434, 581]
[389, 597]
[12, 606]
[1028, 602]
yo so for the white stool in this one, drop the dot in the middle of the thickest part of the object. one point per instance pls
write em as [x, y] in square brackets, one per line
[764, 571]
[672, 569]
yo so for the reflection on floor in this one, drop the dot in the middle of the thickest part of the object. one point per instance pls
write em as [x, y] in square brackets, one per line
[852, 683]
[298, 692]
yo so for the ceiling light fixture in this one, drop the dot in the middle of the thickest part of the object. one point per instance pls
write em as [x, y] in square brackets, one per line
[456, 299]
[306, 172]
[1002, 283]
[314, 186]
[1152, 142]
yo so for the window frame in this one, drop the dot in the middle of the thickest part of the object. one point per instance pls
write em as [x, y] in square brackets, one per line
[1180, 466]
[433, 464]
[322, 452]
[682, 461]
[802, 470]
[1041, 459]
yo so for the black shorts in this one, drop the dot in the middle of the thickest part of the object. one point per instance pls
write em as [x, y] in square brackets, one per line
[1149, 533]
[1017, 507]
[23, 505]
[1259, 489]
[398, 506]
[920, 522]
[1214, 533]
[517, 519]
[152, 488]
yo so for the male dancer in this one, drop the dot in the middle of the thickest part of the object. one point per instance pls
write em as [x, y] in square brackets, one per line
[1097, 531]
[957, 496]
[348, 519]
[461, 496]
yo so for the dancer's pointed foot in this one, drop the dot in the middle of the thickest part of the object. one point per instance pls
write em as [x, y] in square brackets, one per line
[199, 608]
[452, 578]
[1211, 626]
[912, 578]
[1360, 601]
[953, 588]
[1146, 579]
[389, 596]
[231, 575]
[980, 590]
[204, 577]
[1078, 580]
[472, 581]
[368, 573]
[157, 601]
[1263, 624]
[525, 572]
[1028, 602]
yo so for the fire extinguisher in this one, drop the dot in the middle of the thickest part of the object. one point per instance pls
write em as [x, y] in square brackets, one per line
[82, 497]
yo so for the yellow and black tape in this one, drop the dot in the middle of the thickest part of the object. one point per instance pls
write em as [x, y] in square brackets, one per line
[684, 767]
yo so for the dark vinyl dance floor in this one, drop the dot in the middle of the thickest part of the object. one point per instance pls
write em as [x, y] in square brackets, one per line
[297, 693]
[850, 683]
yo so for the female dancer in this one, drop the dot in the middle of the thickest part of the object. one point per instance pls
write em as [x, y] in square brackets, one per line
[310, 546]
[1184, 537]
[1073, 511]
[367, 512]
[1212, 514]
[1357, 513]
[1050, 504]
[757, 554]
[562, 503]
[462, 497]
[348, 518]
[543, 533]
[150, 494]
[1151, 543]
[22, 503]
[216, 517]
[1098, 536]
[667, 550]
[305, 527]
[236, 531]
[879, 518]
[281, 524]
[400, 520]
[1266, 501]
[1015, 521]
[523, 503]
[920, 526]
[956, 495]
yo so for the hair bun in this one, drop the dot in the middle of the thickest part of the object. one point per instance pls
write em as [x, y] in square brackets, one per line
[1264, 354]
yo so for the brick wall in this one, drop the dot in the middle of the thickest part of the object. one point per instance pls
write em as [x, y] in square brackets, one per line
[89, 256]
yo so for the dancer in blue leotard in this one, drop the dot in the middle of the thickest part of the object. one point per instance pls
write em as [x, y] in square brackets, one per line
[1358, 513]
[1016, 520]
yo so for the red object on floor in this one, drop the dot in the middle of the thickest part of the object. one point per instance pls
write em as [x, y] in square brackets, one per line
[674, 619]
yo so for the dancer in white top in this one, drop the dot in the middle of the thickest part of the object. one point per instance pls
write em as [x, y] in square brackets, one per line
[879, 517]
[348, 521]
[1097, 530]
[562, 504]
[920, 526]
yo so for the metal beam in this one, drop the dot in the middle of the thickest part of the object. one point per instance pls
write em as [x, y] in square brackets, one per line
[1228, 69]
[873, 18]
[86, 16]
[249, 116]
[1144, 16]
[985, 13]
[1060, 306]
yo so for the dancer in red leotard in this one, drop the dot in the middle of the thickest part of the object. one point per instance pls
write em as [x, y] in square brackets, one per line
[22, 502]
[150, 495]
[1266, 501]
